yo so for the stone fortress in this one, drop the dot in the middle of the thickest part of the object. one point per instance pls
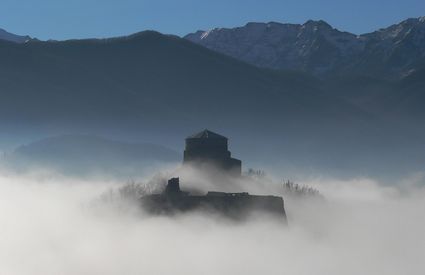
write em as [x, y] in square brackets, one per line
[210, 148]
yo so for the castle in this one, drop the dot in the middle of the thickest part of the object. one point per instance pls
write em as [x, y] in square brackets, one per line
[207, 147]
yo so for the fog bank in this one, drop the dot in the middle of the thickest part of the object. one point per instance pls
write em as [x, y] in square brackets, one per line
[52, 226]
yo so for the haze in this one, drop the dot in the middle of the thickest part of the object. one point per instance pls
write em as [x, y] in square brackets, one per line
[319, 104]
[57, 225]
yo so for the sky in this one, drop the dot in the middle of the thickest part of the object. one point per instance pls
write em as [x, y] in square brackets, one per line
[61, 19]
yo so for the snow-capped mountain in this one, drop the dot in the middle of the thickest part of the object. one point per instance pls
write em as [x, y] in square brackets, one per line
[4, 35]
[317, 47]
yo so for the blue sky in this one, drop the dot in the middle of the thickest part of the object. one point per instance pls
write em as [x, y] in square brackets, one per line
[60, 19]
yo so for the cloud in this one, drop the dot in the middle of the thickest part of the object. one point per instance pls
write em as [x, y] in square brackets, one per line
[49, 226]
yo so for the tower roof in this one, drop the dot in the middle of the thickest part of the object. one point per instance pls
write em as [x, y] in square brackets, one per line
[207, 134]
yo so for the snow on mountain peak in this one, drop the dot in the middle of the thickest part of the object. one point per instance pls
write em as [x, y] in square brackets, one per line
[316, 46]
[205, 34]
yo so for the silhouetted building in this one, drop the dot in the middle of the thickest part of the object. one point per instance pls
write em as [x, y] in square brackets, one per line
[212, 148]
[233, 205]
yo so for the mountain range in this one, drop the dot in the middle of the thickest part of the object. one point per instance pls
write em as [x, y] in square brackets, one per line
[149, 77]
[318, 48]
[154, 87]
[315, 47]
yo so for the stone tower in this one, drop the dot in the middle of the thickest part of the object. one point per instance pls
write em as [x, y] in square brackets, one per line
[212, 148]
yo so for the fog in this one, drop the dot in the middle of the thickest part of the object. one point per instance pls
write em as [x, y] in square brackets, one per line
[51, 224]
